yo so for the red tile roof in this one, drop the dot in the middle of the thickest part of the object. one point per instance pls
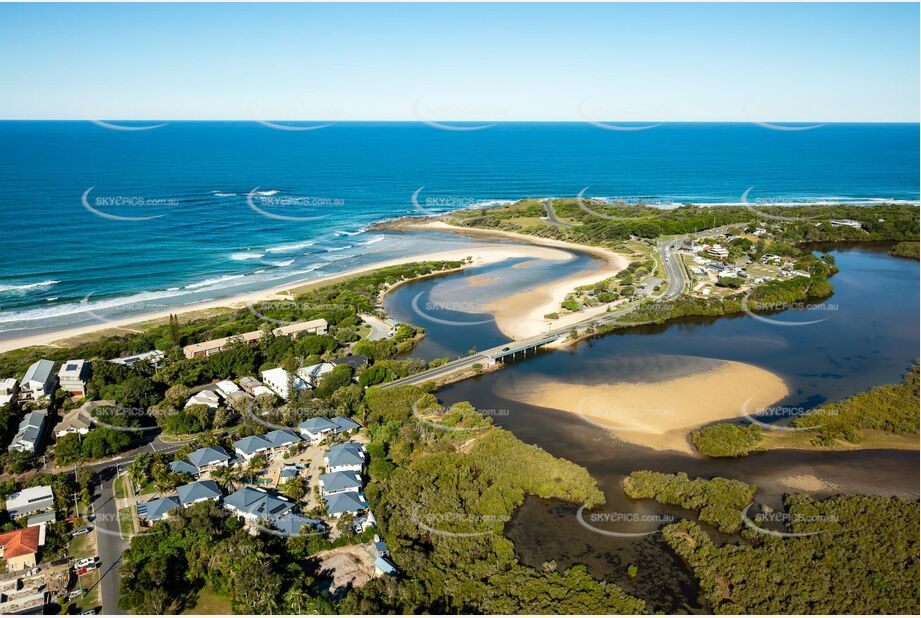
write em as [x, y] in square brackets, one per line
[19, 542]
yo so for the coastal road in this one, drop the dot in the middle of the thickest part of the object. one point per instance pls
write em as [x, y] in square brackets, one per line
[551, 215]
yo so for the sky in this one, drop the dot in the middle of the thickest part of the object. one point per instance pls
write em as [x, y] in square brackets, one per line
[553, 62]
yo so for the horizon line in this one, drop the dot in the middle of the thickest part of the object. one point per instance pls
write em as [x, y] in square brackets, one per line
[421, 121]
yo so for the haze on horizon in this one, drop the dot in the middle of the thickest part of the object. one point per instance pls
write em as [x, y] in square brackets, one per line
[462, 62]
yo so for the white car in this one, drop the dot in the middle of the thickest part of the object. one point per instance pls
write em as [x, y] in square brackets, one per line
[85, 562]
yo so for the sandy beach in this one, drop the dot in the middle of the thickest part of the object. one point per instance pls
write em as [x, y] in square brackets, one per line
[521, 315]
[661, 414]
[481, 254]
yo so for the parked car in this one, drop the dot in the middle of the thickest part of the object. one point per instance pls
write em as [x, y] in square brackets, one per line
[84, 562]
[80, 531]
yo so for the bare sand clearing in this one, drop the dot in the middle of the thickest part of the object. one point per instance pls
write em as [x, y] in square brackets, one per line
[522, 315]
[481, 254]
[807, 482]
[661, 414]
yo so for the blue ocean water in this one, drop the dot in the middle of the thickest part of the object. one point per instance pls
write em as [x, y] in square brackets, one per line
[100, 223]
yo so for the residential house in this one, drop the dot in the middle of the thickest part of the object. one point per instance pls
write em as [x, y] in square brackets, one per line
[352, 502]
[380, 547]
[29, 501]
[262, 390]
[207, 348]
[20, 548]
[72, 377]
[38, 381]
[206, 397]
[254, 504]
[355, 361]
[226, 388]
[40, 520]
[181, 466]
[293, 524]
[281, 439]
[28, 438]
[209, 457]
[338, 482]
[718, 251]
[846, 223]
[344, 425]
[277, 380]
[199, 491]
[250, 446]
[312, 327]
[313, 373]
[73, 422]
[158, 509]
[318, 427]
[154, 357]
[7, 390]
[383, 566]
[249, 384]
[345, 457]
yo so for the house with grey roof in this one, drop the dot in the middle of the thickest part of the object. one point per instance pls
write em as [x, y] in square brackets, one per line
[154, 357]
[293, 524]
[157, 509]
[73, 422]
[317, 428]
[343, 424]
[383, 566]
[28, 438]
[209, 457]
[281, 439]
[30, 500]
[199, 491]
[205, 398]
[338, 482]
[346, 502]
[250, 446]
[253, 504]
[72, 377]
[348, 456]
[355, 361]
[181, 466]
[38, 382]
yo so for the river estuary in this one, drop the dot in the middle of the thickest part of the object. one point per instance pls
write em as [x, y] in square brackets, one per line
[868, 335]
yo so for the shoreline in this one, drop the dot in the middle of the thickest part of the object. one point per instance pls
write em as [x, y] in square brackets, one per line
[481, 254]
[521, 315]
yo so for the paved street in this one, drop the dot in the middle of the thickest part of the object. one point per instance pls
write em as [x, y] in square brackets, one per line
[109, 542]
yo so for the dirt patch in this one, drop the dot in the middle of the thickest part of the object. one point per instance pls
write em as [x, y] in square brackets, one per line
[346, 567]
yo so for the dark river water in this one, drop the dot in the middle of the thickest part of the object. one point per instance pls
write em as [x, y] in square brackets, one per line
[868, 335]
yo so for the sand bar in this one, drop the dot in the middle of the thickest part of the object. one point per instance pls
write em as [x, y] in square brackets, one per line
[658, 414]
[521, 315]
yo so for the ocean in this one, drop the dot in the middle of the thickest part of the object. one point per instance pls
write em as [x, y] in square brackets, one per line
[101, 222]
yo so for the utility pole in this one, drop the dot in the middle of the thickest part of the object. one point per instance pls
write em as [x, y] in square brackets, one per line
[76, 504]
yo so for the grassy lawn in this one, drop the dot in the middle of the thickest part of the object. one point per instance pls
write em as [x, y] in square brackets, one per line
[210, 603]
[88, 582]
[120, 487]
[82, 546]
[126, 522]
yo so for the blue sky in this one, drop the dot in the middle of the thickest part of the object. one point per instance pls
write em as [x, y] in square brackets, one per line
[706, 62]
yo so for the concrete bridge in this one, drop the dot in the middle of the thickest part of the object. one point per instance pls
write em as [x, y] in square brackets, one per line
[486, 358]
